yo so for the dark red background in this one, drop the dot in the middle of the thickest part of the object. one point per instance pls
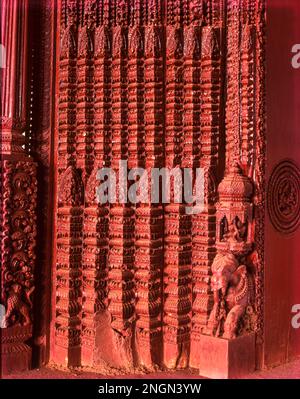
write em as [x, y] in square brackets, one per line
[282, 269]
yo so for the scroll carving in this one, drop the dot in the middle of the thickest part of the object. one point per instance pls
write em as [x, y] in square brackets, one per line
[20, 231]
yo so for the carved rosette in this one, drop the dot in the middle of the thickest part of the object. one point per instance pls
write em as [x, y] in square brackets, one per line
[283, 197]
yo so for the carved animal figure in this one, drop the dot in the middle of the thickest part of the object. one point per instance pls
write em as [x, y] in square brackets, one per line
[230, 285]
[15, 304]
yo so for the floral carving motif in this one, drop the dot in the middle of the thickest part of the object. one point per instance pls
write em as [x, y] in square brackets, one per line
[19, 241]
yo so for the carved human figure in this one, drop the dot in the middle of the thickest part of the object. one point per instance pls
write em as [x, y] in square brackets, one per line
[231, 295]
[236, 231]
[16, 305]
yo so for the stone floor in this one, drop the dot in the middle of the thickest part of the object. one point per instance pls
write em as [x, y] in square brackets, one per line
[287, 371]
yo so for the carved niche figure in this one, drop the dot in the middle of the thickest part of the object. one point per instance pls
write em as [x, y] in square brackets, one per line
[235, 213]
[70, 191]
[17, 307]
[232, 294]
[235, 232]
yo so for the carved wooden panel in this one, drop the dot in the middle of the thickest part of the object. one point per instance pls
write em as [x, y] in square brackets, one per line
[158, 84]
[18, 178]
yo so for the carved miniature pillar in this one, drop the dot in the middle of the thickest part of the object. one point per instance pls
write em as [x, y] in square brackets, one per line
[177, 224]
[204, 227]
[18, 195]
[192, 137]
[236, 268]
[68, 269]
[85, 90]
[121, 229]
[149, 217]
[93, 251]
[68, 295]
[96, 215]
[136, 159]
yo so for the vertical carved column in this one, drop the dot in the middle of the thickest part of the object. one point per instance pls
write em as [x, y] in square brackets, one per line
[191, 117]
[149, 217]
[233, 115]
[136, 147]
[68, 269]
[121, 229]
[96, 216]
[93, 253]
[259, 10]
[85, 89]
[95, 250]
[14, 19]
[177, 255]
[204, 228]
[70, 201]
[18, 195]
[67, 86]
[237, 267]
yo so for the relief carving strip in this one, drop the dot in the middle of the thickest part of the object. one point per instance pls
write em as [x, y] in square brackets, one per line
[18, 239]
[96, 216]
[191, 114]
[260, 184]
[17, 197]
[85, 88]
[204, 224]
[70, 200]
[121, 227]
[93, 253]
[177, 224]
[149, 217]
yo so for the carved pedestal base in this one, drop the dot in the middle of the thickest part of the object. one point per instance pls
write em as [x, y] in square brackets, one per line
[15, 353]
[112, 347]
[195, 351]
[67, 356]
[222, 358]
[149, 349]
[176, 354]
